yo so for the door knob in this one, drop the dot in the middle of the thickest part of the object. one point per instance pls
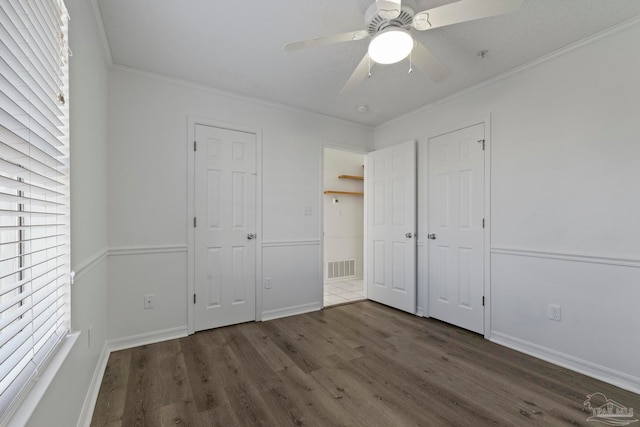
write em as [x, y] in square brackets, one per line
[431, 236]
[251, 236]
[408, 235]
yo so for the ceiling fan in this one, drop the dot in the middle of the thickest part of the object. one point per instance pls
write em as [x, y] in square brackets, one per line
[389, 24]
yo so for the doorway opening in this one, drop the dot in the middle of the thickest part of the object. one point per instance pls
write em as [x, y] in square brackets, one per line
[343, 236]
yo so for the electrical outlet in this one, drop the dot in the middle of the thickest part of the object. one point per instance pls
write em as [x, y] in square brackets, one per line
[267, 282]
[555, 312]
[148, 301]
[308, 210]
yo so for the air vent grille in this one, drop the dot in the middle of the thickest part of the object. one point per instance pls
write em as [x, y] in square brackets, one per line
[341, 268]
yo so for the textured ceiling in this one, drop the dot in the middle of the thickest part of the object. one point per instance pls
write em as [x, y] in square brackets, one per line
[236, 46]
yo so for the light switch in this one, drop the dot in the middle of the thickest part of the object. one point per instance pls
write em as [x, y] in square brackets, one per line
[308, 210]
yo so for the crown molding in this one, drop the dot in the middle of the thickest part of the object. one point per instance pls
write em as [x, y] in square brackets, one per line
[100, 31]
[531, 64]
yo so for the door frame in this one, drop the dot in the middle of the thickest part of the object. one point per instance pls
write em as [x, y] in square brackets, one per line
[352, 149]
[192, 122]
[423, 188]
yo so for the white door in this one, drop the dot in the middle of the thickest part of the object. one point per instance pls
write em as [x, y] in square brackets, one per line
[391, 226]
[225, 210]
[456, 234]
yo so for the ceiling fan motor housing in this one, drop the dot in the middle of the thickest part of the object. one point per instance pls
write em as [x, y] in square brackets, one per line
[374, 23]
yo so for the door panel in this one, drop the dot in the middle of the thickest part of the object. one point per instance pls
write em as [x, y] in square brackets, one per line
[456, 209]
[225, 191]
[391, 217]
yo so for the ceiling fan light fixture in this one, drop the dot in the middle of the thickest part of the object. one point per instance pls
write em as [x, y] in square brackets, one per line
[390, 46]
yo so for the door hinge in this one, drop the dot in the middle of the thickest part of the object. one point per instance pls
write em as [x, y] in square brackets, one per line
[194, 222]
[194, 298]
[195, 148]
[482, 300]
[481, 141]
[482, 222]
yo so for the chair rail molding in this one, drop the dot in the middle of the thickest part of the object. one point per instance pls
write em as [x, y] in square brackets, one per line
[567, 256]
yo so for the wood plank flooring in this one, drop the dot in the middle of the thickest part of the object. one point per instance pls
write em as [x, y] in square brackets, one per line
[360, 364]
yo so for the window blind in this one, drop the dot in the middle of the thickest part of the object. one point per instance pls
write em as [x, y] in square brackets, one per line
[34, 191]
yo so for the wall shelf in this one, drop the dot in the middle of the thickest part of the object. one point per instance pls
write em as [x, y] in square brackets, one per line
[359, 178]
[348, 193]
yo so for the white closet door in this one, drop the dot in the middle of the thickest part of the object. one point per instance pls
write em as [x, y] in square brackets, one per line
[391, 226]
[225, 209]
[456, 234]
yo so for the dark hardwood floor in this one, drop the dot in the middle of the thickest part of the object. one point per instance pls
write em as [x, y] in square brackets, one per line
[360, 364]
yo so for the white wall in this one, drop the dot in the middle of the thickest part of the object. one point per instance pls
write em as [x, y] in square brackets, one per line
[565, 168]
[148, 221]
[343, 221]
[63, 402]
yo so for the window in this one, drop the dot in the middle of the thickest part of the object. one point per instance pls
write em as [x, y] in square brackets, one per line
[34, 191]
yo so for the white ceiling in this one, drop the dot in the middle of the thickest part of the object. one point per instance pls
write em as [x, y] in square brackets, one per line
[236, 46]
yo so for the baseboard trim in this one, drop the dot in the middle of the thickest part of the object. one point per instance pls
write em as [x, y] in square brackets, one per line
[94, 388]
[146, 338]
[602, 373]
[291, 311]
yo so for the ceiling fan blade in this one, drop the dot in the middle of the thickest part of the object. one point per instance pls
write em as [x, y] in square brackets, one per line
[388, 9]
[428, 63]
[462, 11]
[358, 75]
[322, 41]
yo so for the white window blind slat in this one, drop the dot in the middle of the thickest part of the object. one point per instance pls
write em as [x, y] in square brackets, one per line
[10, 302]
[16, 314]
[9, 242]
[21, 127]
[17, 150]
[31, 214]
[37, 280]
[33, 252]
[16, 361]
[43, 63]
[26, 33]
[21, 111]
[13, 70]
[29, 201]
[46, 40]
[19, 102]
[41, 101]
[50, 37]
[47, 23]
[29, 227]
[43, 305]
[23, 23]
[34, 191]
[18, 171]
[13, 330]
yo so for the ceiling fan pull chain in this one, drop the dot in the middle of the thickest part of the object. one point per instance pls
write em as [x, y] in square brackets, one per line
[410, 62]
[369, 75]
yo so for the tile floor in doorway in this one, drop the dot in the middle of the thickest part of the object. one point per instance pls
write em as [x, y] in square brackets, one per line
[343, 291]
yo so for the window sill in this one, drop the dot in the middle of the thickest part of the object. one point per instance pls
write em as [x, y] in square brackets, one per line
[25, 408]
